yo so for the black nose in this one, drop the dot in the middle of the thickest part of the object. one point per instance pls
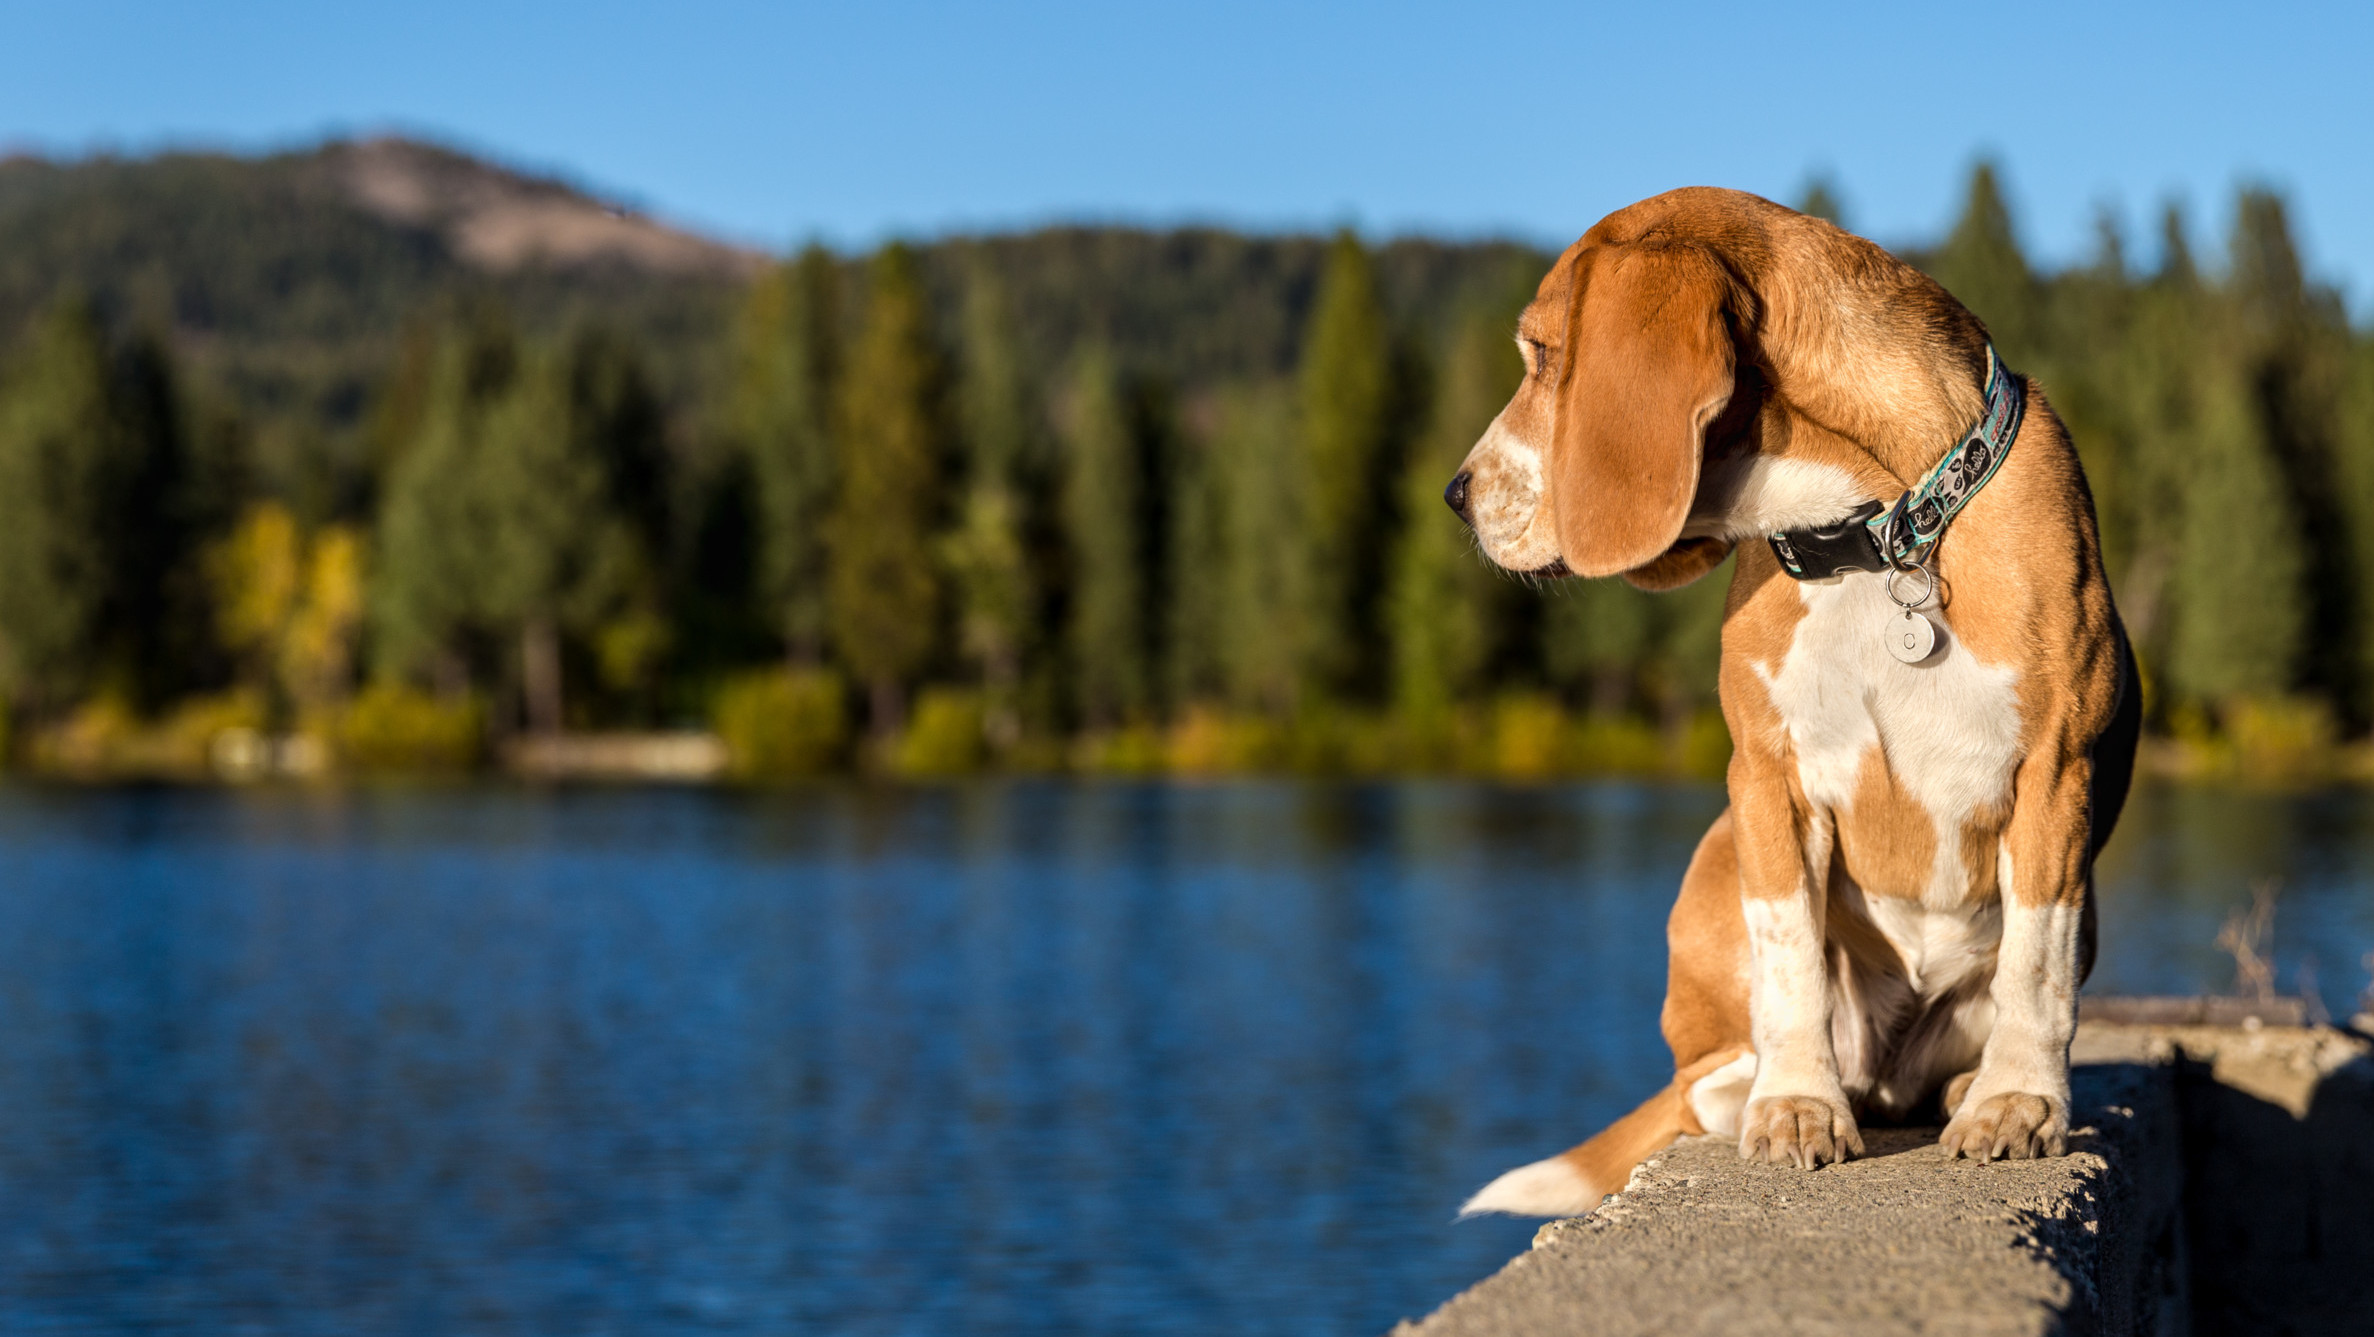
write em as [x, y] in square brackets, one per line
[1455, 496]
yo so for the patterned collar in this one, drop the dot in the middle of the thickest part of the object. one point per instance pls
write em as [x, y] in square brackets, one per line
[1877, 536]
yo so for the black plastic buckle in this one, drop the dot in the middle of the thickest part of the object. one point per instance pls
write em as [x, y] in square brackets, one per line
[1832, 550]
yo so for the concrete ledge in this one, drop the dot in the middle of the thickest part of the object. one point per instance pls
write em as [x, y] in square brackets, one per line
[2103, 1240]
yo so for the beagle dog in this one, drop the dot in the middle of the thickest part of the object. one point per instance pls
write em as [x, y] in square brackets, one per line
[1931, 701]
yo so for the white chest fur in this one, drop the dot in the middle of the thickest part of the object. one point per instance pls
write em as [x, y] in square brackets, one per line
[1947, 728]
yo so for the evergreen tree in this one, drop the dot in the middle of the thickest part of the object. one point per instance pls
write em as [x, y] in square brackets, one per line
[2236, 608]
[1347, 402]
[989, 554]
[94, 538]
[1598, 634]
[787, 348]
[1442, 603]
[559, 554]
[432, 528]
[1685, 646]
[2354, 468]
[1257, 499]
[160, 622]
[2151, 370]
[889, 437]
[1981, 264]
[1104, 508]
[506, 521]
[2293, 349]
[2176, 249]
[1821, 200]
[1195, 639]
[616, 421]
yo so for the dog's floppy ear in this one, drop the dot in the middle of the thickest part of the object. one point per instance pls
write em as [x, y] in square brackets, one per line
[1679, 565]
[1648, 365]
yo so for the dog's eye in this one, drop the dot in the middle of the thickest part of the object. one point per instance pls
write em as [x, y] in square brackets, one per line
[1537, 355]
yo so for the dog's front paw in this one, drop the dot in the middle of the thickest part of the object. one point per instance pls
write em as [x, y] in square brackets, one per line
[2013, 1125]
[1804, 1131]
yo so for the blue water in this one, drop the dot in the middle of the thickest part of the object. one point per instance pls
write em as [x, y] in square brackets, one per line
[1029, 1057]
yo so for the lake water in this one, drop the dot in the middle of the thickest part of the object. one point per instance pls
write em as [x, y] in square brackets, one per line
[1016, 1057]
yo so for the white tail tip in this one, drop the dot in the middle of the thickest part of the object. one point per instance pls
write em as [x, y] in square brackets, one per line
[1545, 1188]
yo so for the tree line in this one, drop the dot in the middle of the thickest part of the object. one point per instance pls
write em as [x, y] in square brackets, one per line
[899, 527]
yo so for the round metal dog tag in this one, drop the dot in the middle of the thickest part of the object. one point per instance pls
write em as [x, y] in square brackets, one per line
[1912, 637]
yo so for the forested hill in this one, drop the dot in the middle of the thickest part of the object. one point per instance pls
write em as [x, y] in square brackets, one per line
[288, 282]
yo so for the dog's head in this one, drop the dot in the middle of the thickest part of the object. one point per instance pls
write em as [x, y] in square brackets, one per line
[1631, 365]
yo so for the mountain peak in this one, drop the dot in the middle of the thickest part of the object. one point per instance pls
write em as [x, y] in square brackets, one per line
[501, 220]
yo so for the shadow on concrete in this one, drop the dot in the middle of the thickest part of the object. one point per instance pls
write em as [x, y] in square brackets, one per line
[2279, 1204]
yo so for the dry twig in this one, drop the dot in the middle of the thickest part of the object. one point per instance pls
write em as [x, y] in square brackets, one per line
[2245, 936]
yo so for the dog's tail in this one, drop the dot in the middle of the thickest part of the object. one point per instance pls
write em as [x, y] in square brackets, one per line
[1573, 1181]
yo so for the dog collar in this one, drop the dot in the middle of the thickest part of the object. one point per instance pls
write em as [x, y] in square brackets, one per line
[1878, 537]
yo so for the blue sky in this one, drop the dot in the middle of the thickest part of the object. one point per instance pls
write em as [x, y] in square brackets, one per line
[775, 123]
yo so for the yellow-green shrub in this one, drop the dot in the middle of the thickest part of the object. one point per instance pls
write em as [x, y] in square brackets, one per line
[1706, 746]
[1209, 740]
[1134, 749]
[1616, 745]
[2281, 739]
[396, 726]
[782, 722]
[1528, 737]
[945, 736]
[104, 737]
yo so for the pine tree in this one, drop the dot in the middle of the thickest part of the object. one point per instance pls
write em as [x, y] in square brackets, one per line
[1195, 637]
[2293, 344]
[559, 554]
[881, 533]
[431, 536]
[1347, 402]
[508, 521]
[1597, 634]
[1981, 264]
[1821, 199]
[95, 578]
[787, 349]
[1257, 490]
[2354, 466]
[2236, 607]
[160, 626]
[1685, 646]
[1441, 604]
[1104, 508]
[2151, 371]
[989, 555]
[616, 420]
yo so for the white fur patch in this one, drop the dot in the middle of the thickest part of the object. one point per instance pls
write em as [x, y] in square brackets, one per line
[2035, 996]
[1761, 494]
[1948, 727]
[1940, 947]
[1504, 500]
[1789, 997]
[1718, 1097]
[1545, 1188]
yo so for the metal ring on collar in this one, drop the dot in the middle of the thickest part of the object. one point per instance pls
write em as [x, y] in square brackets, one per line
[1925, 573]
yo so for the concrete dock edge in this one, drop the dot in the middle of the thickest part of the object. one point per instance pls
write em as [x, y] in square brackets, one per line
[2221, 1180]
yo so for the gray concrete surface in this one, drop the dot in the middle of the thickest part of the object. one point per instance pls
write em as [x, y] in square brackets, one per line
[2247, 1144]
